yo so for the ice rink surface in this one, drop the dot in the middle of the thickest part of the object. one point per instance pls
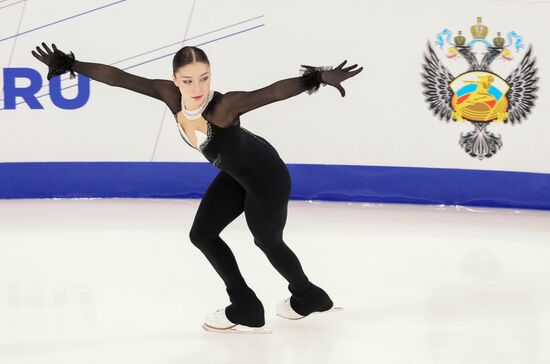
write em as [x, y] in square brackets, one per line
[118, 281]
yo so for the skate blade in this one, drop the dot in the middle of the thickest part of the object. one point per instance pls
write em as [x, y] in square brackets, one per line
[334, 309]
[238, 329]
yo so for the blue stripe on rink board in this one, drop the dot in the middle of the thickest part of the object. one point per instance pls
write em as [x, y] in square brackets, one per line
[309, 182]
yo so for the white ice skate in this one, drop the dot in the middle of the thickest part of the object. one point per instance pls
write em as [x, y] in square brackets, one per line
[218, 322]
[284, 310]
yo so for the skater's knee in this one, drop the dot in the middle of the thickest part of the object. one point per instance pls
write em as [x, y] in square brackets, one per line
[199, 236]
[268, 244]
[194, 236]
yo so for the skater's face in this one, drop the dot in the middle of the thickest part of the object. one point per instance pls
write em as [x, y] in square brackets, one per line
[193, 80]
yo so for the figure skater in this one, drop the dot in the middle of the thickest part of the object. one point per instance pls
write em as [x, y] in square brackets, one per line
[252, 176]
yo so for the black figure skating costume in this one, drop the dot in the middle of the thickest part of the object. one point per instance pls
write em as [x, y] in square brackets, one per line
[252, 178]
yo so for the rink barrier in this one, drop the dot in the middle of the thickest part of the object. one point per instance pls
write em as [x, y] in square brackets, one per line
[434, 186]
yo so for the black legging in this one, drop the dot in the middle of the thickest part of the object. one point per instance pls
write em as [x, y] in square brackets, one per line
[265, 206]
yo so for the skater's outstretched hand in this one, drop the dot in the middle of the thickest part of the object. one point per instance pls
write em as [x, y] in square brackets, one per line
[335, 76]
[57, 61]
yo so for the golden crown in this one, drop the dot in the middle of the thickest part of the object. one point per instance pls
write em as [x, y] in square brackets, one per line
[479, 31]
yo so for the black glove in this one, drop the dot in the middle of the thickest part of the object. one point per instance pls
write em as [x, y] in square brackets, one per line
[311, 77]
[334, 76]
[58, 62]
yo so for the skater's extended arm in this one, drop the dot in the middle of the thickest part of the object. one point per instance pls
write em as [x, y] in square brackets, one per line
[240, 102]
[59, 63]
[236, 103]
[113, 76]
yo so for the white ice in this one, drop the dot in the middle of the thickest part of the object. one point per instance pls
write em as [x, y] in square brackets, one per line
[118, 281]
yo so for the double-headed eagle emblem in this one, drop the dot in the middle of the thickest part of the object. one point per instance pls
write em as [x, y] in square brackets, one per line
[479, 95]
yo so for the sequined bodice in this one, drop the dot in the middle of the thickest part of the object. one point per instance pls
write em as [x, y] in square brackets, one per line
[200, 137]
[233, 148]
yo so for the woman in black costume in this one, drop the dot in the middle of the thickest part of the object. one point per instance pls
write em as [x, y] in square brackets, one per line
[252, 176]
